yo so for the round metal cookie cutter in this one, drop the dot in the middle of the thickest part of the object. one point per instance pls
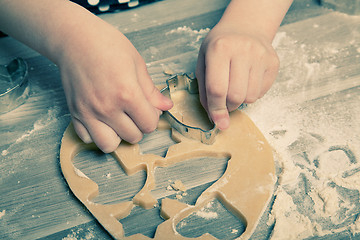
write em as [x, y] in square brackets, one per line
[14, 85]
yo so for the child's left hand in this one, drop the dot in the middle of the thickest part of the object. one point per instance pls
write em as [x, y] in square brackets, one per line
[233, 67]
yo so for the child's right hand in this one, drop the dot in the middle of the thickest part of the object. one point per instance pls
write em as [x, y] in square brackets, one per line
[109, 91]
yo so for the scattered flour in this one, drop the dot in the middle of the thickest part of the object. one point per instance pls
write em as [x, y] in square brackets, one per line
[46, 122]
[178, 196]
[287, 217]
[315, 136]
[190, 31]
[80, 234]
[40, 124]
[207, 211]
[192, 37]
[206, 214]
[185, 42]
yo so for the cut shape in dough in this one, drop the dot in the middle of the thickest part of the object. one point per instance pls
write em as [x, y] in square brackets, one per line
[245, 188]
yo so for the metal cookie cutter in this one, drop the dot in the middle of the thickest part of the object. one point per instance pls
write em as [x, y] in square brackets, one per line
[185, 82]
[14, 86]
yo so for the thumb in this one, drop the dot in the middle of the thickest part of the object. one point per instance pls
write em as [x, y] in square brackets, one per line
[157, 99]
[152, 94]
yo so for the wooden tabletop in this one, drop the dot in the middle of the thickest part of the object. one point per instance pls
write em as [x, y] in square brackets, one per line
[311, 113]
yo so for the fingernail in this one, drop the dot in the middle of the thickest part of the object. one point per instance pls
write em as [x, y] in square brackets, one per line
[168, 103]
[223, 123]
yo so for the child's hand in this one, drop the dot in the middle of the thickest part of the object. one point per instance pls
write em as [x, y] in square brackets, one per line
[233, 67]
[109, 91]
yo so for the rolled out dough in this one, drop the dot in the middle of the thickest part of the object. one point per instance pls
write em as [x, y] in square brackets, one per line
[244, 189]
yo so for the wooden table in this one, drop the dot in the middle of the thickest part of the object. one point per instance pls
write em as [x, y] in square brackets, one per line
[317, 89]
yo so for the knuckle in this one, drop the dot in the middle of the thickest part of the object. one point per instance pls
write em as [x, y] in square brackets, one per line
[125, 95]
[103, 110]
[252, 95]
[235, 99]
[149, 127]
[220, 45]
[108, 144]
[81, 111]
[107, 105]
[215, 91]
[248, 45]
[110, 147]
[97, 104]
[259, 51]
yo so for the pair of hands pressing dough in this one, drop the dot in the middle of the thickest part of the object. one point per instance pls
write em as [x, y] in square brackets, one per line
[109, 92]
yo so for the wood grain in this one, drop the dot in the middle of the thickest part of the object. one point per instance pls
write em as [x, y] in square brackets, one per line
[34, 196]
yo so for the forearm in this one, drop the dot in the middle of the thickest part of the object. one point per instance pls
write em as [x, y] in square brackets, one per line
[50, 27]
[261, 17]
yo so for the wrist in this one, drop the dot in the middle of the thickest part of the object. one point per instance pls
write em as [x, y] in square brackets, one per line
[81, 37]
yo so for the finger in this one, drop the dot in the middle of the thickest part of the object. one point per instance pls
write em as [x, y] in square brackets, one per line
[151, 93]
[238, 83]
[81, 131]
[217, 83]
[133, 102]
[255, 83]
[144, 115]
[125, 128]
[103, 136]
[200, 76]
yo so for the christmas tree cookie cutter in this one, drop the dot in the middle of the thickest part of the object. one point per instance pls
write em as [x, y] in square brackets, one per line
[181, 82]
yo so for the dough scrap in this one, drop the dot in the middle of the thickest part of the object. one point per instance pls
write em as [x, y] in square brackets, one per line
[244, 189]
[178, 186]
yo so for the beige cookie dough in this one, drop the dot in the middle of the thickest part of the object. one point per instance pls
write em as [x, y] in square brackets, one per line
[244, 189]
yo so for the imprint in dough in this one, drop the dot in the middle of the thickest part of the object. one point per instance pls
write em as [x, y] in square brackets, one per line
[245, 188]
